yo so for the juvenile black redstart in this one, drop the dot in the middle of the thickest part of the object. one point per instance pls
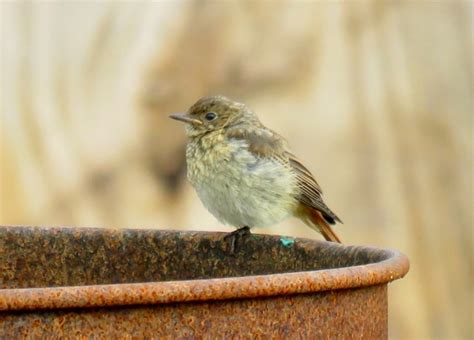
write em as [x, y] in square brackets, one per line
[244, 172]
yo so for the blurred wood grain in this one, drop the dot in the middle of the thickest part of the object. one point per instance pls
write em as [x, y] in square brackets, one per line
[376, 97]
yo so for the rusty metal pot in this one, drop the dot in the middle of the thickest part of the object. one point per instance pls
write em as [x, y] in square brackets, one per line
[116, 282]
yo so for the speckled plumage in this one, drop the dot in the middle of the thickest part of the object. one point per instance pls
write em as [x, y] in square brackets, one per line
[238, 187]
[244, 173]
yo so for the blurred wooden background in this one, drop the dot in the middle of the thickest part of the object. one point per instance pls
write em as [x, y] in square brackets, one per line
[376, 97]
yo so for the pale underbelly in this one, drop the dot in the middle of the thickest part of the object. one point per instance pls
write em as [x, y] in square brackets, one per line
[240, 195]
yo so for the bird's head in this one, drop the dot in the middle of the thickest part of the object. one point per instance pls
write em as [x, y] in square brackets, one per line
[213, 113]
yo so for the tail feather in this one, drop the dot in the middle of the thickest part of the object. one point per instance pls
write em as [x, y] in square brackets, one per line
[315, 220]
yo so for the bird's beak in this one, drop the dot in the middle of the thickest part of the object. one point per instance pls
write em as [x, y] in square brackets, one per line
[184, 117]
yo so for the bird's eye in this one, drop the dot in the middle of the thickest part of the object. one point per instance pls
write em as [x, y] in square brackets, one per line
[210, 116]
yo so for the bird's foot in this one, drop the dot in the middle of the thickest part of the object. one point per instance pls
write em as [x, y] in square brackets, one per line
[234, 238]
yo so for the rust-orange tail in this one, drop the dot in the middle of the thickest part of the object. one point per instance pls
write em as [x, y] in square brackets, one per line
[315, 220]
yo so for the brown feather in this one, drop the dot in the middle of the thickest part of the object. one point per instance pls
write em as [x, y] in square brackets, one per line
[266, 143]
[314, 219]
[262, 141]
[310, 194]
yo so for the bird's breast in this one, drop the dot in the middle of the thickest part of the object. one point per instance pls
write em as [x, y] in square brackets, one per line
[238, 187]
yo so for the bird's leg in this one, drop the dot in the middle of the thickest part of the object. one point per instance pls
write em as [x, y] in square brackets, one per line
[234, 236]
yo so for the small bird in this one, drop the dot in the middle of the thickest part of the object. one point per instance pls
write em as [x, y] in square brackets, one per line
[245, 174]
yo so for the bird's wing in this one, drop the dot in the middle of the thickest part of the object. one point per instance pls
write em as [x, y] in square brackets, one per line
[310, 191]
[266, 143]
[262, 142]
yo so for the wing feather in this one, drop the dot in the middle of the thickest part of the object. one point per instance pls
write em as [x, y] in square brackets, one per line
[266, 143]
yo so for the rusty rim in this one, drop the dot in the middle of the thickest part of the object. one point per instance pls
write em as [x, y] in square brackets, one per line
[393, 265]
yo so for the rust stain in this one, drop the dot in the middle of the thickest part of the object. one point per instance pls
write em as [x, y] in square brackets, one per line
[120, 281]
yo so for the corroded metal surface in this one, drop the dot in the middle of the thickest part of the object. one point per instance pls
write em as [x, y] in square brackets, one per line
[354, 313]
[80, 281]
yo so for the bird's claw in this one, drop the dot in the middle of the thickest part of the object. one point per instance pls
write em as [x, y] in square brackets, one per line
[235, 236]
